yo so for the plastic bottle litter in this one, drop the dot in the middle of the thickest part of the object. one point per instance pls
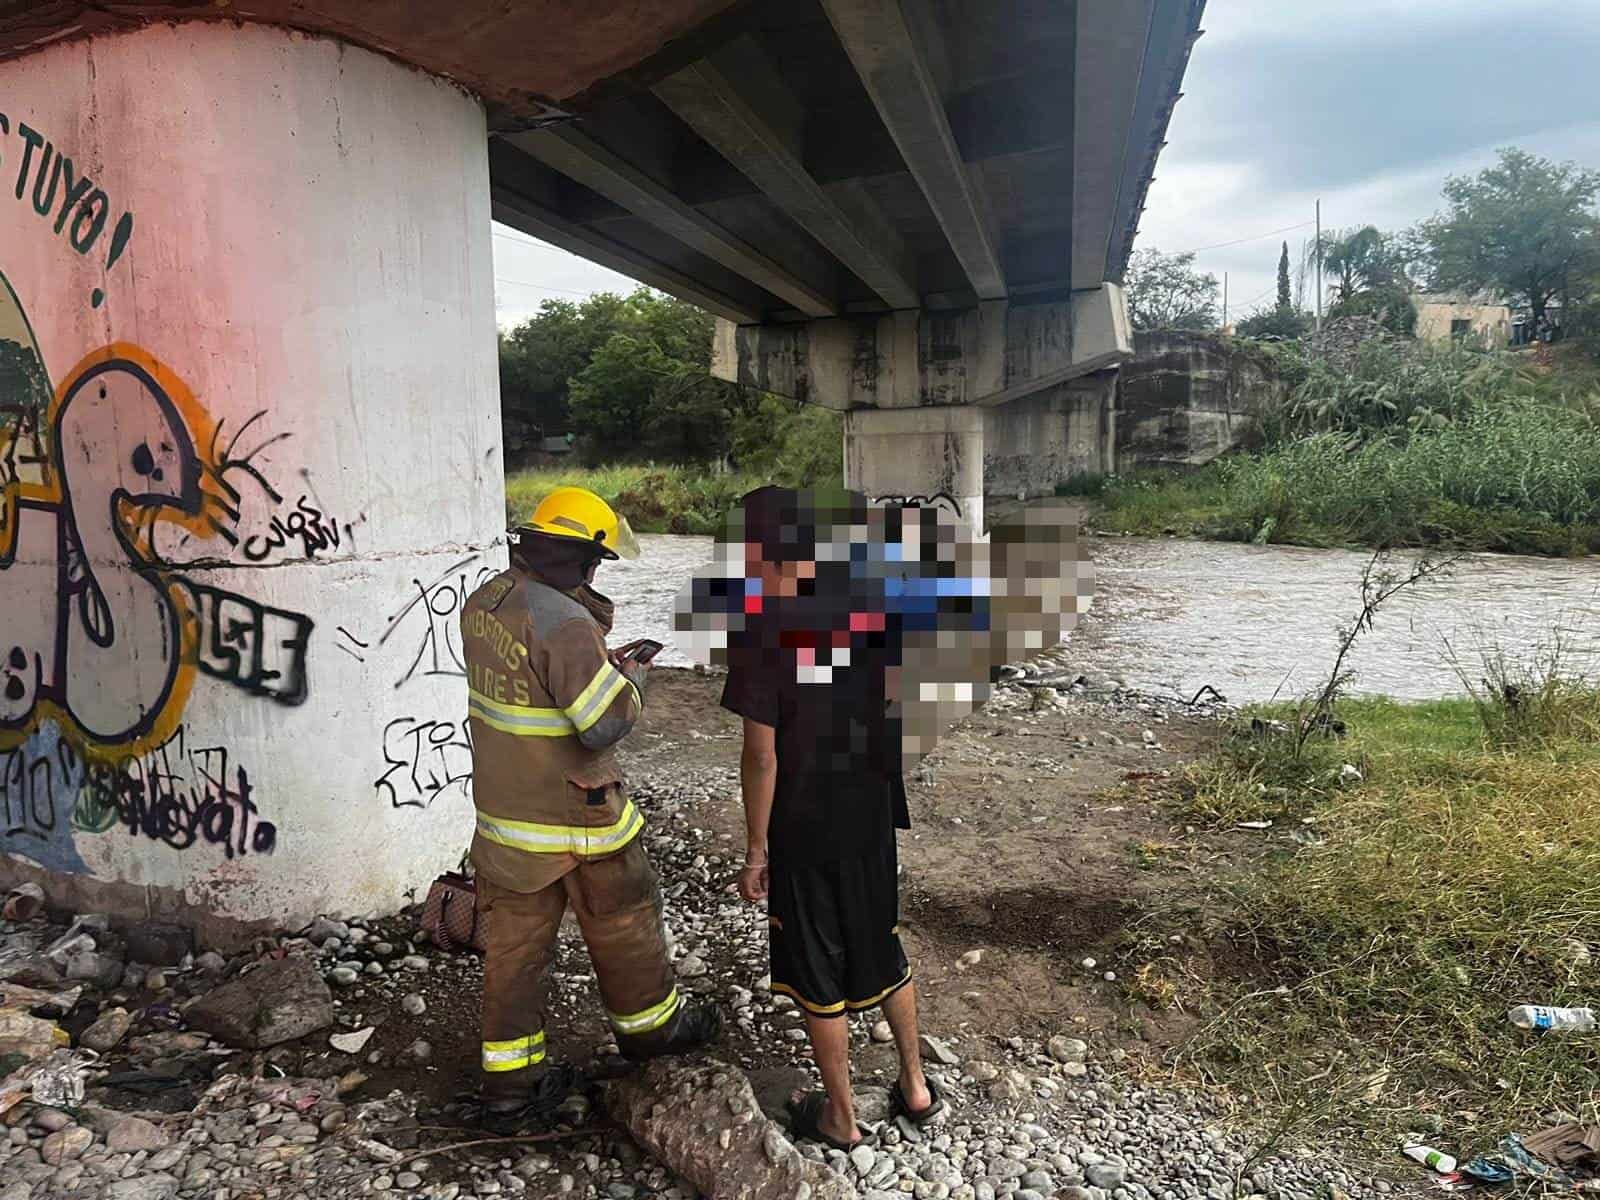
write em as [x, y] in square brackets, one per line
[1430, 1157]
[1541, 1016]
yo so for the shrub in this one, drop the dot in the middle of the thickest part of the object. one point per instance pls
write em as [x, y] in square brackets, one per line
[1391, 306]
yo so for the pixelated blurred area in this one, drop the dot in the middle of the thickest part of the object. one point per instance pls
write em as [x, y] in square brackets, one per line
[809, 585]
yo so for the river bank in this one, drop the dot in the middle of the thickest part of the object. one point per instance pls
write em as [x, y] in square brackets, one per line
[1155, 963]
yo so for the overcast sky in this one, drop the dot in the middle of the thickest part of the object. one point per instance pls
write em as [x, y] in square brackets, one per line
[1368, 104]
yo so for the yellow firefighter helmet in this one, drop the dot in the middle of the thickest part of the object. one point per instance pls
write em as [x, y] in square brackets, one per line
[578, 514]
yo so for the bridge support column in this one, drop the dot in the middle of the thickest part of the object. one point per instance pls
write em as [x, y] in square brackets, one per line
[1002, 398]
[917, 452]
[249, 465]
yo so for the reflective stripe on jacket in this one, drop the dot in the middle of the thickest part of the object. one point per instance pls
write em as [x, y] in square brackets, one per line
[546, 706]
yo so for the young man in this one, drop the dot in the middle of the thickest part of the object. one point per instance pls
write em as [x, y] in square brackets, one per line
[823, 796]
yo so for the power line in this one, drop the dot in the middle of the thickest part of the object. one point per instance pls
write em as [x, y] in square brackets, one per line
[539, 286]
[1241, 241]
[524, 240]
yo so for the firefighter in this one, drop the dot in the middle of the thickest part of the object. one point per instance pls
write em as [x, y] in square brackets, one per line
[555, 828]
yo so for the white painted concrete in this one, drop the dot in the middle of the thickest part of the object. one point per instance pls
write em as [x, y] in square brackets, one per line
[277, 442]
[917, 452]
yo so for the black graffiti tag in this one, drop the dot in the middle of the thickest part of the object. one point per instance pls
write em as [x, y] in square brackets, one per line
[432, 614]
[424, 760]
[937, 500]
[305, 524]
[181, 796]
[257, 648]
[69, 200]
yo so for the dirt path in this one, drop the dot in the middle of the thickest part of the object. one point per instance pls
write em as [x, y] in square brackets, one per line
[1033, 835]
[1035, 841]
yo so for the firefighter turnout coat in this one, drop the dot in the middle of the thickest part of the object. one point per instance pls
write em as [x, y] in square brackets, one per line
[555, 827]
[546, 705]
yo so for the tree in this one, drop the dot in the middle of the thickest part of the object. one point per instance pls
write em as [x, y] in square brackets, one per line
[1391, 306]
[540, 356]
[631, 377]
[1524, 228]
[1285, 300]
[1287, 323]
[1166, 292]
[1360, 260]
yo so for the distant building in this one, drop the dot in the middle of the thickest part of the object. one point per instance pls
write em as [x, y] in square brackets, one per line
[1452, 316]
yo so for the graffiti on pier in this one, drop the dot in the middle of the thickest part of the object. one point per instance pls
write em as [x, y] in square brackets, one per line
[62, 193]
[942, 500]
[40, 782]
[111, 649]
[424, 760]
[305, 529]
[429, 623]
[103, 478]
[257, 648]
[180, 795]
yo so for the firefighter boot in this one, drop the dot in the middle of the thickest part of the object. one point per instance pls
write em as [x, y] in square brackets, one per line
[695, 1024]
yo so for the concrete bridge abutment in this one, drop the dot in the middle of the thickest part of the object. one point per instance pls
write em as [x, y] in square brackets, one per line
[1002, 399]
[249, 466]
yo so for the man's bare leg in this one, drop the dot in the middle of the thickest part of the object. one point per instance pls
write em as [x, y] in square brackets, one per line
[830, 1042]
[900, 1010]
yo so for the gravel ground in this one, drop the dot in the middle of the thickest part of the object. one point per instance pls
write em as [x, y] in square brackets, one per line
[1031, 1117]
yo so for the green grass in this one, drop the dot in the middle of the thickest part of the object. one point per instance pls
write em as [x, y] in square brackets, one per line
[1154, 504]
[1458, 878]
[655, 499]
[1408, 445]
[1521, 477]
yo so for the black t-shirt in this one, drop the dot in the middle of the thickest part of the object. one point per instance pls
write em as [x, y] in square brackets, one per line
[840, 793]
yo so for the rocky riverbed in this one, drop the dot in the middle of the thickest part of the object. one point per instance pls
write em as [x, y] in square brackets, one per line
[330, 1061]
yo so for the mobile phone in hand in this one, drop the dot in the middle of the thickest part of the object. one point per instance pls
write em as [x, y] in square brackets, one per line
[641, 651]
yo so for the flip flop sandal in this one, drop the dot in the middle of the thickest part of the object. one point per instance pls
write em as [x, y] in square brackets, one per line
[804, 1117]
[919, 1118]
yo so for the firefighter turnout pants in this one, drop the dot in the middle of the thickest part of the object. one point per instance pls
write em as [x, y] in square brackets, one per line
[617, 901]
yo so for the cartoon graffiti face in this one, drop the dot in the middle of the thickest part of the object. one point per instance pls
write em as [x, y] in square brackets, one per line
[19, 683]
[120, 441]
[119, 433]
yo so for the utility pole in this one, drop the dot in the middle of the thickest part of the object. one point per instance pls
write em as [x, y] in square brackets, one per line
[1319, 266]
[1224, 302]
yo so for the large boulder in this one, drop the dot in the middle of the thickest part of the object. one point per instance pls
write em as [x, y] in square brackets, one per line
[702, 1120]
[277, 1002]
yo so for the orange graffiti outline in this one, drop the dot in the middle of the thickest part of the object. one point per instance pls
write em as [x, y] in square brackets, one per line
[201, 428]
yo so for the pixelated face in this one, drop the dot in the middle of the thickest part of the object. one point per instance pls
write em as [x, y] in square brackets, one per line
[901, 589]
[777, 579]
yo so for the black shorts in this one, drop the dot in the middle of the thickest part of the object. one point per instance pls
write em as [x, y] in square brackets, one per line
[835, 934]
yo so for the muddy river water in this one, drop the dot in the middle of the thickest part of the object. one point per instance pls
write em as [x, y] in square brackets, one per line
[1173, 616]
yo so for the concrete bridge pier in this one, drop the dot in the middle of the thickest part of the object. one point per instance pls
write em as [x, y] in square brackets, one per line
[1002, 399]
[249, 461]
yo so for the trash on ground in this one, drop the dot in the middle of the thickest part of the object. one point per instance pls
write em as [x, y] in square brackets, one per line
[23, 902]
[351, 1043]
[1513, 1161]
[1563, 1020]
[56, 1080]
[14, 995]
[1430, 1157]
[1571, 1146]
